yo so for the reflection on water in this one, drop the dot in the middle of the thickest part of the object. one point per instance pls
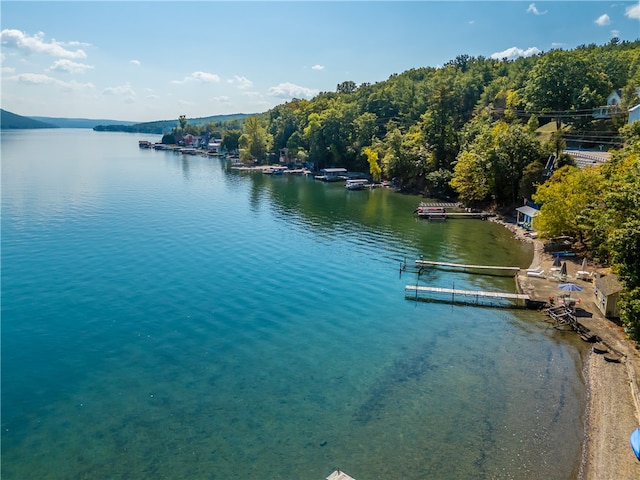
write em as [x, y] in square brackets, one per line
[188, 321]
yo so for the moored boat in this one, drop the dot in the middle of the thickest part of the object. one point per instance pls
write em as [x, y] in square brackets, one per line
[275, 170]
[431, 212]
[356, 184]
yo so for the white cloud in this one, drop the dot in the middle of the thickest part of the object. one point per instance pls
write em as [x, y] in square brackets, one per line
[615, 33]
[24, 43]
[120, 90]
[135, 62]
[515, 52]
[317, 67]
[41, 79]
[66, 65]
[203, 77]
[603, 20]
[633, 11]
[8, 70]
[241, 82]
[290, 90]
[533, 9]
[557, 44]
[221, 99]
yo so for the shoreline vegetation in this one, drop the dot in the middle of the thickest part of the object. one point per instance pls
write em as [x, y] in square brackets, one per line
[612, 409]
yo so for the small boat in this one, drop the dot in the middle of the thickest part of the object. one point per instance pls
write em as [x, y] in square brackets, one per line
[356, 184]
[275, 170]
[599, 348]
[431, 213]
[612, 357]
[635, 442]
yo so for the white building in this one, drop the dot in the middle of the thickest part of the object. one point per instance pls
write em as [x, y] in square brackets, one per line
[634, 113]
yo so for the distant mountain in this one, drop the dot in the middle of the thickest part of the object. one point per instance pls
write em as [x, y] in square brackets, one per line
[165, 126]
[10, 120]
[80, 122]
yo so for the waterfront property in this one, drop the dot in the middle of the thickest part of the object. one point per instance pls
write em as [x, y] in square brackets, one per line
[154, 301]
[526, 217]
[356, 184]
[332, 174]
[607, 291]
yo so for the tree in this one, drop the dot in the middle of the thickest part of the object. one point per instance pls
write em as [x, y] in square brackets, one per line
[346, 87]
[439, 184]
[254, 141]
[183, 122]
[230, 140]
[532, 176]
[313, 137]
[372, 158]
[470, 178]
[565, 198]
[561, 81]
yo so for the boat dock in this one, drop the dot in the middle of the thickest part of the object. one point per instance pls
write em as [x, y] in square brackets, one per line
[485, 269]
[468, 296]
[441, 211]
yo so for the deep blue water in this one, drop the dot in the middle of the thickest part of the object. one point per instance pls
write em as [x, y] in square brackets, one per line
[165, 316]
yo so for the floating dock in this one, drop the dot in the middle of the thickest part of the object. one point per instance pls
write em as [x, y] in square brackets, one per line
[467, 296]
[486, 269]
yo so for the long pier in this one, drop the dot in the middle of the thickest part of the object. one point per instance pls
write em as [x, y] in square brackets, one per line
[486, 268]
[520, 298]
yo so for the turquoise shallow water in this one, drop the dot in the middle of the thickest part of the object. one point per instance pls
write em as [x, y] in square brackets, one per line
[166, 317]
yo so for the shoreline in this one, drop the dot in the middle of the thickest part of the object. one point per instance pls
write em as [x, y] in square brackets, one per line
[612, 404]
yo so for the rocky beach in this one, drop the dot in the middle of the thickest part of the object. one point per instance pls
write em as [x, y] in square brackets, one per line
[613, 397]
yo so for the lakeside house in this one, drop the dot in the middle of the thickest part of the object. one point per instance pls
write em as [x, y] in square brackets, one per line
[607, 291]
[634, 113]
[332, 174]
[526, 216]
[612, 106]
[214, 146]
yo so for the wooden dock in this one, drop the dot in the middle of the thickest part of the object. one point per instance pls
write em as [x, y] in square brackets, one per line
[520, 298]
[486, 269]
[441, 211]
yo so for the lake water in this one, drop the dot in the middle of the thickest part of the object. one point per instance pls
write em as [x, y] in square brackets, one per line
[164, 316]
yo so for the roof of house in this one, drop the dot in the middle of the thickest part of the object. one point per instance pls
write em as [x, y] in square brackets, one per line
[528, 211]
[608, 284]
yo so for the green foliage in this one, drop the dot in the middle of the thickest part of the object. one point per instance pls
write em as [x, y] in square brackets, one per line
[561, 81]
[255, 142]
[565, 197]
[230, 140]
[500, 154]
[471, 178]
[374, 167]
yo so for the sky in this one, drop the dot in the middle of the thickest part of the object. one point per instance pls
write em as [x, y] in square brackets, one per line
[146, 61]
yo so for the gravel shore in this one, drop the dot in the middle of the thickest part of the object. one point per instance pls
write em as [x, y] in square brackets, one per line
[613, 397]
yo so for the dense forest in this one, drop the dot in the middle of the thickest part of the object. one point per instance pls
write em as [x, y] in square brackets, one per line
[471, 130]
[197, 125]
